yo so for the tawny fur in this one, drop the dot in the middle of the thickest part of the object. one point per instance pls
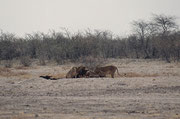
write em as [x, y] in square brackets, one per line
[106, 70]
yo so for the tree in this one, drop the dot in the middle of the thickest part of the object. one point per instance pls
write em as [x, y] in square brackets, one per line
[165, 24]
[142, 30]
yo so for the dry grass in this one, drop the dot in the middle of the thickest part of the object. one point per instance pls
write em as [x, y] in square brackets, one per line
[59, 76]
[22, 67]
[144, 90]
[170, 66]
[7, 72]
[170, 74]
[127, 68]
[23, 115]
[134, 74]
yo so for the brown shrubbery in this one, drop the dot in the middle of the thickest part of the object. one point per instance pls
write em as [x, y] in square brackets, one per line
[155, 39]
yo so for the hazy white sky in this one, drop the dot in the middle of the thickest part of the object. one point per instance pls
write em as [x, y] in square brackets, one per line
[27, 16]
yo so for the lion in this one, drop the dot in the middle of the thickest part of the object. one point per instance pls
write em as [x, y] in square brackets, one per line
[81, 71]
[77, 72]
[72, 73]
[103, 71]
[92, 74]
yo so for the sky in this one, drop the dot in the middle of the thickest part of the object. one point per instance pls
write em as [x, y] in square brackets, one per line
[28, 16]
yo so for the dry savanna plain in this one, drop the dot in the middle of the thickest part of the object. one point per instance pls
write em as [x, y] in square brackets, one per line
[145, 89]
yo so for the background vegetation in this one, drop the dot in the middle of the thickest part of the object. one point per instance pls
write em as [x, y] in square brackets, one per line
[158, 38]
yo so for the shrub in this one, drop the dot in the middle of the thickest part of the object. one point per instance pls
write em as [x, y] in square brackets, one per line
[25, 61]
[92, 62]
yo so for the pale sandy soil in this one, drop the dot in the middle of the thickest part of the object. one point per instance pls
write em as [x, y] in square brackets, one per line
[144, 90]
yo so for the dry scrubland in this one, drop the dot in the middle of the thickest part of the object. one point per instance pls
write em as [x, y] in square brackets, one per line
[145, 89]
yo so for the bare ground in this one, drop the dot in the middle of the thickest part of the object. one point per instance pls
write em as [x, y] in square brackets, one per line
[144, 90]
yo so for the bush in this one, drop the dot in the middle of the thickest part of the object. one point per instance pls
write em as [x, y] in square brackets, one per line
[26, 61]
[8, 63]
[92, 62]
[148, 41]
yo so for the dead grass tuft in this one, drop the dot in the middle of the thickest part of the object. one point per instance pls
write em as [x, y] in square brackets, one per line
[170, 66]
[22, 67]
[6, 72]
[23, 115]
[59, 76]
[133, 74]
[170, 74]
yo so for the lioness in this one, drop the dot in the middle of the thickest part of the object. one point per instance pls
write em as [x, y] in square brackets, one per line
[72, 73]
[81, 71]
[92, 74]
[103, 71]
[77, 72]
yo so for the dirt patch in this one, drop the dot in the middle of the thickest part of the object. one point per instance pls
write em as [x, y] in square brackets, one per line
[145, 92]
